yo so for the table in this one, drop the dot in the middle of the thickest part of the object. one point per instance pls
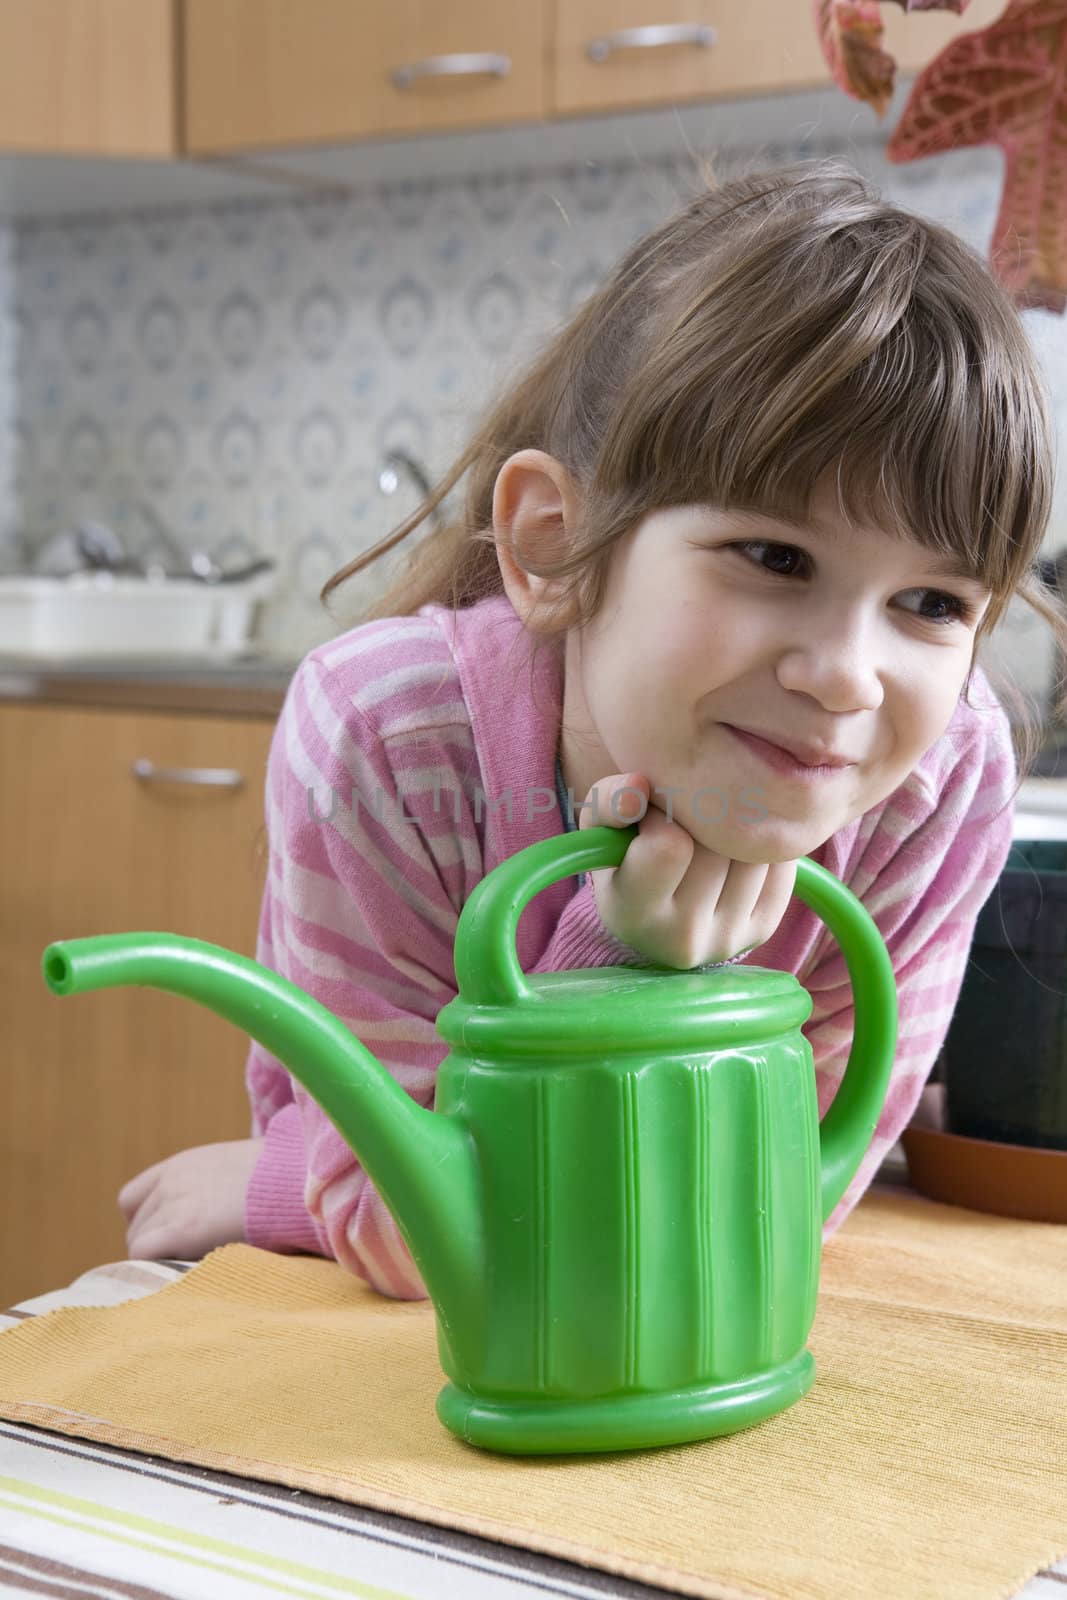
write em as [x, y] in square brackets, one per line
[78, 1518]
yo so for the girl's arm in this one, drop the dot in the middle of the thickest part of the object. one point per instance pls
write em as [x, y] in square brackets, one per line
[360, 910]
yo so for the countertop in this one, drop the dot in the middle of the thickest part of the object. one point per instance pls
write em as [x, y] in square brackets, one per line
[249, 685]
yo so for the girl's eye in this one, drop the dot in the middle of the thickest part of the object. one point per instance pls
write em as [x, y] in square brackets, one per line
[952, 608]
[783, 555]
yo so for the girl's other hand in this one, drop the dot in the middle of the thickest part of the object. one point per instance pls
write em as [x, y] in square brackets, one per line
[187, 1205]
[672, 899]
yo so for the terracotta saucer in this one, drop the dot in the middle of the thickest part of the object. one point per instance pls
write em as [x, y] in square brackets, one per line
[1011, 1180]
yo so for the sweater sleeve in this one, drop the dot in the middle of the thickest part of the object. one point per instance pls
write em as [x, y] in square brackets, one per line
[923, 884]
[367, 873]
[580, 939]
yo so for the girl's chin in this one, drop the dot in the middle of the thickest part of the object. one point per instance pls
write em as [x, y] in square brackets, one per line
[764, 843]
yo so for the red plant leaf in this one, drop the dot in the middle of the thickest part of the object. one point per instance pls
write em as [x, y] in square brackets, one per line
[850, 32]
[1006, 85]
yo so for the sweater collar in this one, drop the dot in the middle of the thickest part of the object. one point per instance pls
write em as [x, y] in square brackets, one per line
[515, 705]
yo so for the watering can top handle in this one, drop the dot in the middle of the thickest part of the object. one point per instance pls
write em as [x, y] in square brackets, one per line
[487, 964]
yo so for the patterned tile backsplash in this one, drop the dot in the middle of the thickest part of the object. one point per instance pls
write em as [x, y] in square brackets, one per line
[243, 369]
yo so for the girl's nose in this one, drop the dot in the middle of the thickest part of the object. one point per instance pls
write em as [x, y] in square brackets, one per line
[838, 669]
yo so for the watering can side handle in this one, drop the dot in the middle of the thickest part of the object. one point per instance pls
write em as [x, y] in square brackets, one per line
[486, 961]
[846, 1130]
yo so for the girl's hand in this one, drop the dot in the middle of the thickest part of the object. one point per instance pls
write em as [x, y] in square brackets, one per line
[185, 1206]
[672, 899]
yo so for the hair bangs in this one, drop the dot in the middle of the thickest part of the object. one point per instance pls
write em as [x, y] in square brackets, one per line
[915, 418]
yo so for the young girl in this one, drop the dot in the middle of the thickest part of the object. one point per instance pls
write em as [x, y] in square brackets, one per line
[730, 545]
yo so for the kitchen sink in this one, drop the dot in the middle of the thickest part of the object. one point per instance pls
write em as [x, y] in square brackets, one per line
[93, 615]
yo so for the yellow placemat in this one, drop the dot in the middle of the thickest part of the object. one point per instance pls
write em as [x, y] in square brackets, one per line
[929, 1460]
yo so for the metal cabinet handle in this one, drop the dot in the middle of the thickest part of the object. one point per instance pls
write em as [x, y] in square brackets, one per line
[204, 777]
[459, 66]
[650, 37]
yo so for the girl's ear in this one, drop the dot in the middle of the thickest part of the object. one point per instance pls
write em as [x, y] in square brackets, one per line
[535, 510]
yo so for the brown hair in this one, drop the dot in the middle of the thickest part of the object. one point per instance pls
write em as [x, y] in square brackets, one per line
[780, 327]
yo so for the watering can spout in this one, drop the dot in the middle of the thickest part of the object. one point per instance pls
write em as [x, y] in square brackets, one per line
[421, 1162]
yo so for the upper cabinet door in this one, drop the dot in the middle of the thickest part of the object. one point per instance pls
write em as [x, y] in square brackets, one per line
[88, 77]
[262, 73]
[612, 54]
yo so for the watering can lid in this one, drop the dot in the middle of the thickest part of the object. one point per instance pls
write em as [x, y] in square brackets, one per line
[590, 1009]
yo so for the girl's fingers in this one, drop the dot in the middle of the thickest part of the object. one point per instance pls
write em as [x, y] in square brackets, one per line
[145, 1214]
[133, 1193]
[736, 891]
[774, 897]
[143, 1244]
[674, 896]
[657, 860]
[615, 802]
[778, 890]
[748, 906]
[655, 865]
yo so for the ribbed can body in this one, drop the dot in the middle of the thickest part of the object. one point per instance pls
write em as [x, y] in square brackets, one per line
[648, 1227]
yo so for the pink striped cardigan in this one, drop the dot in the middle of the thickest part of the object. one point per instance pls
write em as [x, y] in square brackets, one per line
[414, 754]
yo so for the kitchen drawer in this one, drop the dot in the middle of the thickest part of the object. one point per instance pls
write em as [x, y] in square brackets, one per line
[263, 73]
[759, 45]
[94, 1090]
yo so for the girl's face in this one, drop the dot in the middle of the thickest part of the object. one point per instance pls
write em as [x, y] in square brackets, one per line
[846, 640]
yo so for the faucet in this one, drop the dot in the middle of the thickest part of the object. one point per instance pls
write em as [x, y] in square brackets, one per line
[397, 462]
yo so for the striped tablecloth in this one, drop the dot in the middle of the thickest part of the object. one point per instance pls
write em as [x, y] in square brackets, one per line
[81, 1519]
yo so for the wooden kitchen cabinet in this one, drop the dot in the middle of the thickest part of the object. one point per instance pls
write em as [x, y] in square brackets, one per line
[88, 77]
[262, 73]
[615, 54]
[611, 55]
[167, 78]
[95, 1087]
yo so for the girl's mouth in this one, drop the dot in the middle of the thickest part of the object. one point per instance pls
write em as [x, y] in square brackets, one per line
[780, 760]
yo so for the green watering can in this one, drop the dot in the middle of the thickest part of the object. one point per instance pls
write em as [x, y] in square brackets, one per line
[617, 1203]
